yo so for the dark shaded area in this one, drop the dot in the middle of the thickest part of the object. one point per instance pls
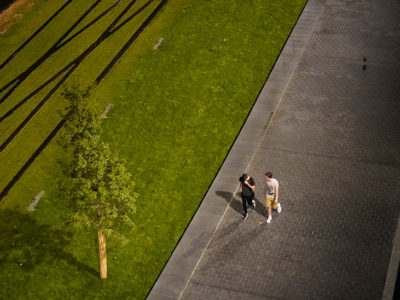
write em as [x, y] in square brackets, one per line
[25, 242]
[233, 202]
[5, 4]
[236, 202]
[396, 294]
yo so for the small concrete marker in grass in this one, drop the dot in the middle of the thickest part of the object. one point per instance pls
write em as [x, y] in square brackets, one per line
[158, 43]
[36, 200]
[104, 115]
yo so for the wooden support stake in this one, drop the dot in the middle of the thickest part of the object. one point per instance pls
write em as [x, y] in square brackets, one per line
[102, 255]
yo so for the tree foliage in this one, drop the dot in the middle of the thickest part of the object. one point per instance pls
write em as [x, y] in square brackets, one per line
[99, 186]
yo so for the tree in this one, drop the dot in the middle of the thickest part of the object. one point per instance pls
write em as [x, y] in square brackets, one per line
[99, 186]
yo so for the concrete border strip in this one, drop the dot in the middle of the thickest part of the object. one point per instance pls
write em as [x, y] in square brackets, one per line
[391, 275]
[36, 200]
[184, 260]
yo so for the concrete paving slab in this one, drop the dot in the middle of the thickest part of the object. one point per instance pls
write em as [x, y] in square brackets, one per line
[234, 167]
[239, 155]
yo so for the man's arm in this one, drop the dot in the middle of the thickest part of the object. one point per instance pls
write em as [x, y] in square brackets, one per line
[249, 185]
[276, 193]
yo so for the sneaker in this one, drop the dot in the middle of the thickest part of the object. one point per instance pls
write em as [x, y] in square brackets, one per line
[279, 209]
[245, 216]
[269, 219]
[253, 204]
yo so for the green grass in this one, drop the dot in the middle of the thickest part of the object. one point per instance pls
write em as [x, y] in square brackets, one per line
[176, 112]
[13, 157]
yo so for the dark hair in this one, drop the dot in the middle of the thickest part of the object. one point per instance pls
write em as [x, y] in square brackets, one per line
[268, 174]
[243, 177]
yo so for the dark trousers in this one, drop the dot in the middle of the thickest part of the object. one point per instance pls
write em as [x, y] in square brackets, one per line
[246, 200]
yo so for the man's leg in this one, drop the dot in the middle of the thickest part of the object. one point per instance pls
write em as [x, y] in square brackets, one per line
[277, 206]
[250, 201]
[244, 206]
[269, 204]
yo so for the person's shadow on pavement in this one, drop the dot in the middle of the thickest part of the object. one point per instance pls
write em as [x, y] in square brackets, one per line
[236, 202]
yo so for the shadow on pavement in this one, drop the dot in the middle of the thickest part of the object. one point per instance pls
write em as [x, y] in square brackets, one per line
[235, 201]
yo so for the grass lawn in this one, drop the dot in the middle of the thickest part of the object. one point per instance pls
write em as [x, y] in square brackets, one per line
[177, 111]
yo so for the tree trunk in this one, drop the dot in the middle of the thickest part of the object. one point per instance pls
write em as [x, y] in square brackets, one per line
[102, 255]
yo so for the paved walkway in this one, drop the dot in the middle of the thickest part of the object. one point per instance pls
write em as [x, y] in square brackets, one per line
[327, 125]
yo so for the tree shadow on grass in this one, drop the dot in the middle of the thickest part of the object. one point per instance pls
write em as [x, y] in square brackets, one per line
[236, 202]
[25, 242]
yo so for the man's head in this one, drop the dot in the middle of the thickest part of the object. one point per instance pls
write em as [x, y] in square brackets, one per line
[244, 177]
[268, 176]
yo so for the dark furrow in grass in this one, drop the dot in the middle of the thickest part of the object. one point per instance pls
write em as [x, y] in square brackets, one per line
[36, 109]
[21, 77]
[128, 19]
[133, 37]
[39, 150]
[3, 88]
[89, 25]
[75, 63]
[57, 46]
[34, 34]
[111, 26]
[106, 34]
[14, 180]
[5, 191]
[19, 104]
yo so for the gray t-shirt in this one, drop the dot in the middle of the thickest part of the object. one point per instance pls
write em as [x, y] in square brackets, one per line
[271, 187]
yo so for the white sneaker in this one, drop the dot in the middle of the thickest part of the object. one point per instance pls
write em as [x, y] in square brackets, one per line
[269, 219]
[279, 209]
[253, 204]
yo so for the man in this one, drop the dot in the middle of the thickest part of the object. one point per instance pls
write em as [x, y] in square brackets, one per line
[271, 193]
[247, 186]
